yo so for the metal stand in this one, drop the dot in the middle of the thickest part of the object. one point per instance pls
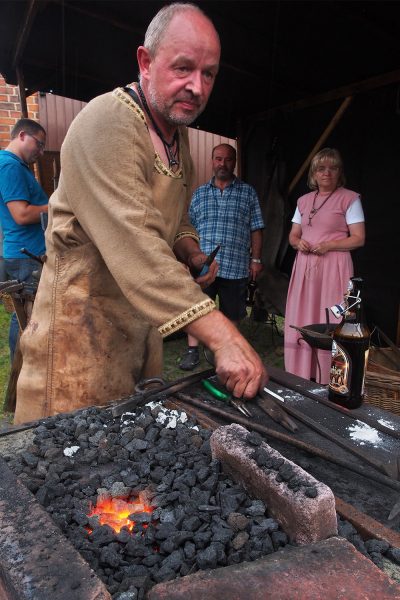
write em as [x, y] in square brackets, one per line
[261, 315]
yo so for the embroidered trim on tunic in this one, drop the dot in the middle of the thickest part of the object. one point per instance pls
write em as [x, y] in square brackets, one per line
[184, 234]
[193, 313]
[126, 99]
[158, 163]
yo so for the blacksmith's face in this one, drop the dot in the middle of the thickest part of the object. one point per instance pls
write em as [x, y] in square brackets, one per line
[182, 73]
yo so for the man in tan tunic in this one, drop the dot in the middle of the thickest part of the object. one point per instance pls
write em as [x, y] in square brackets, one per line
[117, 223]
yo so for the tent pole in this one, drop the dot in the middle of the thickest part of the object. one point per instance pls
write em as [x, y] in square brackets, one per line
[332, 124]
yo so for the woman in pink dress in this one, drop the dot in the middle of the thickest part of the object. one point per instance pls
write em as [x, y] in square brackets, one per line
[327, 225]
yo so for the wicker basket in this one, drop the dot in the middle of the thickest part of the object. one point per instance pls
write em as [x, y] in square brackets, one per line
[382, 379]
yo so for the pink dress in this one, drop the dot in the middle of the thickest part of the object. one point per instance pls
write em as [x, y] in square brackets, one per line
[317, 282]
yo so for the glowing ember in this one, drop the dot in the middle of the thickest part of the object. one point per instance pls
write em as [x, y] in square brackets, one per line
[115, 512]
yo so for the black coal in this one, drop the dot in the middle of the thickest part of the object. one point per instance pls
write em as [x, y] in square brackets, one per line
[201, 518]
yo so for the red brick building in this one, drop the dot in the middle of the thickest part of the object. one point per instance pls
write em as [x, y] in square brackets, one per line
[10, 110]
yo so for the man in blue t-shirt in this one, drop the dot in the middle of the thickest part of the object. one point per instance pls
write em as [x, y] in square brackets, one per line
[21, 202]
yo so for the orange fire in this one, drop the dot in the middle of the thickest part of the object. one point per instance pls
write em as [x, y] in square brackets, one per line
[115, 511]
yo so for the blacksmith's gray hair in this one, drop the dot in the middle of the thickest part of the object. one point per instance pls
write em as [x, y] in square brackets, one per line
[156, 30]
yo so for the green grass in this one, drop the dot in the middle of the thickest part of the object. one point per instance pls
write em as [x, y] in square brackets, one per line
[4, 354]
[269, 347]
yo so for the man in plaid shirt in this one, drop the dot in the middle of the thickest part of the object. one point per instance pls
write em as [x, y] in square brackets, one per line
[226, 211]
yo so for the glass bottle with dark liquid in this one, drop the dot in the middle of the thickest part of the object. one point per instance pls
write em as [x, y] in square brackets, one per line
[251, 288]
[350, 350]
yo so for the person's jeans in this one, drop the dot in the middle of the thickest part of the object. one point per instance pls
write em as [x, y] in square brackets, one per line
[21, 269]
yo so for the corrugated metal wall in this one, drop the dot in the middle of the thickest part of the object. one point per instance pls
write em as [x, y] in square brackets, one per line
[57, 113]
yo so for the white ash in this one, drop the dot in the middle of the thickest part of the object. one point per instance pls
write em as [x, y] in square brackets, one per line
[318, 390]
[71, 451]
[294, 396]
[364, 433]
[387, 424]
[169, 418]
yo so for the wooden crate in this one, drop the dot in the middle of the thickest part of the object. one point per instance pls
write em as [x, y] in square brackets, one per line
[382, 379]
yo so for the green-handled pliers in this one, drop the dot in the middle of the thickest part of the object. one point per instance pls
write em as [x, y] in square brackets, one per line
[224, 396]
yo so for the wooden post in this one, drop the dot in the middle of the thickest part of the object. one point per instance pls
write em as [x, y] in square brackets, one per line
[10, 399]
[239, 148]
[22, 95]
[332, 124]
[23, 309]
[55, 174]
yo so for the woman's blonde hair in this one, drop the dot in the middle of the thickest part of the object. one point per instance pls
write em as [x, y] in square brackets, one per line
[333, 158]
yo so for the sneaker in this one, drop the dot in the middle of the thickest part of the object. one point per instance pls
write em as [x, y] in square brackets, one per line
[190, 359]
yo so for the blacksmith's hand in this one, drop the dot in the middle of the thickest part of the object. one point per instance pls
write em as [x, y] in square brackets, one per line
[237, 364]
[240, 369]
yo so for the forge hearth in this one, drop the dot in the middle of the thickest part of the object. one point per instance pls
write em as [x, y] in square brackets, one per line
[201, 518]
[36, 560]
[119, 513]
[196, 516]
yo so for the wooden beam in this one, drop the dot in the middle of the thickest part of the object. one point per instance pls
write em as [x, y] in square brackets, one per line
[24, 32]
[337, 94]
[22, 95]
[107, 18]
[55, 67]
[239, 148]
[123, 25]
[331, 126]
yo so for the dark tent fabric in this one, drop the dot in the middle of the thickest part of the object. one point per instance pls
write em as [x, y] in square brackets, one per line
[286, 66]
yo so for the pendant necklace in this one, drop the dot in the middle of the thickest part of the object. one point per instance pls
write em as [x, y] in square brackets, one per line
[172, 154]
[314, 210]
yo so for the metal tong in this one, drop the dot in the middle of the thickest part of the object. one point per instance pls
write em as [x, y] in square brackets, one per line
[216, 391]
[264, 401]
[157, 390]
[267, 401]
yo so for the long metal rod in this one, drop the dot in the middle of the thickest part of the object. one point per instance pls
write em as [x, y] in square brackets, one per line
[389, 467]
[287, 438]
[352, 414]
[158, 392]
